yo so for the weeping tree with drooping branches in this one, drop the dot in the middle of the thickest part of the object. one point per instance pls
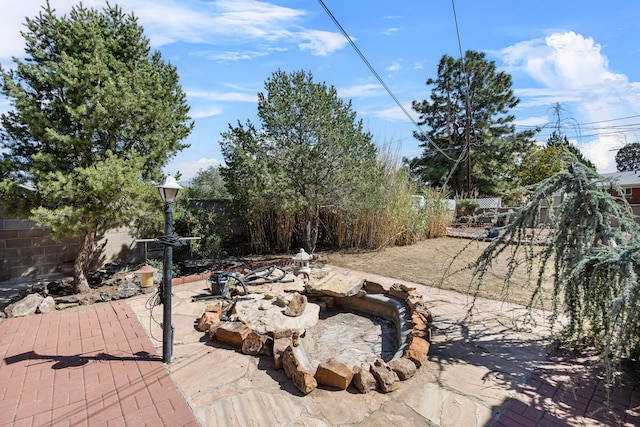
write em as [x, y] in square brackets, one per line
[592, 252]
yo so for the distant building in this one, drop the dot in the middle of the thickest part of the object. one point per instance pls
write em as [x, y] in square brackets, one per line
[630, 184]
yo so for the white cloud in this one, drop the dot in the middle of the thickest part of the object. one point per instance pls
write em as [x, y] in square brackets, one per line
[602, 153]
[14, 13]
[395, 66]
[532, 121]
[396, 114]
[562, 60]
[389, 31]
[360, 91]
[321, 43]
[572, 68]
[221, 22]
[203, 110]
[232, 22]
[200, 113]
[226, 96]
[231, 56]
[199, 22]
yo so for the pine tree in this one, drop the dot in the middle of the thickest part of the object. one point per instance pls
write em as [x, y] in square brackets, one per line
[310, 153]
[469, 107]
[95, 117]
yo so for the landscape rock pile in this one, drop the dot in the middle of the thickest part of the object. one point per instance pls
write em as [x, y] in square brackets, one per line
[46, 296]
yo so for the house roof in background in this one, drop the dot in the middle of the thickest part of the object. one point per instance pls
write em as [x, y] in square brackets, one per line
[625, 179]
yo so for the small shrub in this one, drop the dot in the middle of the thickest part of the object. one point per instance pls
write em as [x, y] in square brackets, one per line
[466, 209]
[210, 227]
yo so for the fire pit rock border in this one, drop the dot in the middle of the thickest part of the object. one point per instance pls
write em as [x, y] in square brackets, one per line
[399, 304]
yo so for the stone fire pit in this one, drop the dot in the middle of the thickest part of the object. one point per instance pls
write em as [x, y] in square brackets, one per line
[275, 321]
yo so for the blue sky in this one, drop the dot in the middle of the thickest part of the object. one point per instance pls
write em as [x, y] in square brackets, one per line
[583, 54]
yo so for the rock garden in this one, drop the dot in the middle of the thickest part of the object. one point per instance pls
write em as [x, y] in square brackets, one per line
[116, 281]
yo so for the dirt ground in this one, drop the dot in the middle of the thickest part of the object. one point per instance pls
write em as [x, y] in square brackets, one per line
[442, 263]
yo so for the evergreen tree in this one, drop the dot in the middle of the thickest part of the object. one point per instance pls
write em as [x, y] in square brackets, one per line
[469, 107]
[207, 184]
[556, 140]
[310, 153]
[95, 117]
[591, 250]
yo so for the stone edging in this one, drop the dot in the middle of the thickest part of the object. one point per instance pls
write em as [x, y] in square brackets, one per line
[400, 304]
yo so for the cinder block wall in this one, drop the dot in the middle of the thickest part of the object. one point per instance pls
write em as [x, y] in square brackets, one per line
[27, 250]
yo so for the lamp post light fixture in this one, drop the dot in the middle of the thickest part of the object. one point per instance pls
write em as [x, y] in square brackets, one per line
[168, 191]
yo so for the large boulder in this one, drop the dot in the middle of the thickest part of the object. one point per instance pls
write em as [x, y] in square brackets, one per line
[232, 333]
[296, 306]
[47, 305]
[256, 344]
[337, 285]
[363, 379]
[207, 319]
[25, 307]
[404, 368]
[126, 289]
[334, 374]
[266, 317]
[386, 378]
[417, 351]
[293, 368]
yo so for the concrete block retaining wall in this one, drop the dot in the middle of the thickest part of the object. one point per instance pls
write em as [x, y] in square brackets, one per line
[27, 250]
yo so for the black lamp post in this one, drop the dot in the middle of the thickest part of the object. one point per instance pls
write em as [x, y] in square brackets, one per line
[168, 191]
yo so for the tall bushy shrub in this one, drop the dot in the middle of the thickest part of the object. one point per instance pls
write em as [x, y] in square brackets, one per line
[310, 153]
[437, 214]
[388, 216]
[211, 228]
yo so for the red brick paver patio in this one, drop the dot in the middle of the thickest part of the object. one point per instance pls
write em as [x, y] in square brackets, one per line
[90, 366]
[571, 391]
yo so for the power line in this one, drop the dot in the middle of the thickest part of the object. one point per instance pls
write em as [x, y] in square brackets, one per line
[377, 76]
[613, 120]
[364, 59]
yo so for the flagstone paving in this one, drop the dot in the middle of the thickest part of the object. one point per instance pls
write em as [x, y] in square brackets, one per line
[481, 370]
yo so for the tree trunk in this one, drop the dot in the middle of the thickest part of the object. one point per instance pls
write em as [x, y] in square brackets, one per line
[79, 268]
[312, 228]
